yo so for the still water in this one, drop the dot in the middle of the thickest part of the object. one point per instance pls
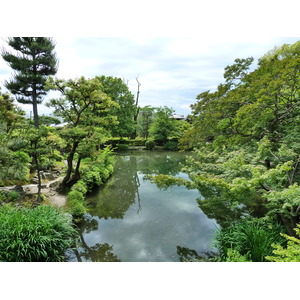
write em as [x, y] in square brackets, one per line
[131, 220]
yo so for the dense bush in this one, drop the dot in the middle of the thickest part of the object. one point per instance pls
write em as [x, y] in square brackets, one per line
[150, 145]
[13, 196]
[93, 173]
[289, 254]
[2, 196]
[76, 200]
[123, 147]
[91, 176]
[248, 239]
[34, 235]
[115, 142]
[171, 146]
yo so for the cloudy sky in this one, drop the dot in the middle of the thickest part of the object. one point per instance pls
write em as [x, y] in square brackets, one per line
[172, 71]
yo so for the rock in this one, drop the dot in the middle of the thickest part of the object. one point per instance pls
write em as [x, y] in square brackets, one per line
[48, 176]
[56, 171]
[55, 184]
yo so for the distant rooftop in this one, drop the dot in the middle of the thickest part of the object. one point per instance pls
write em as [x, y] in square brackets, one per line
[59, 125]
[178, 117]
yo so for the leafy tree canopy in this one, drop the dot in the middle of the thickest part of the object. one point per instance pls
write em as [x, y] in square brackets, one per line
[125, 111]
[245, 133]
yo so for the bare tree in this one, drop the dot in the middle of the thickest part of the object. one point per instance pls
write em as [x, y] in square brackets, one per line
[137, 107]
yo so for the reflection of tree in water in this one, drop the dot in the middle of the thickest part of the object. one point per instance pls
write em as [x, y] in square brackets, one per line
[119, 193]
[114, 198]
[188, 255]
[225, 212]
[161, 163]
[96, 253]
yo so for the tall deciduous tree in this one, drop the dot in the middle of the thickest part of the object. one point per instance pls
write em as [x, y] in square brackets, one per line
[144, 120]
[163, 125]
[125, 112]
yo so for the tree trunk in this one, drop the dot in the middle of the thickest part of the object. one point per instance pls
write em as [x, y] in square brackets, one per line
[36, 125]
[34, 108]
[70, 158]
[36, 162]
[289, 224]
[76, 175]
[133, 136]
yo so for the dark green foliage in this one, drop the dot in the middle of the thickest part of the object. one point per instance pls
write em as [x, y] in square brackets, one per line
[250, 239]
[14, 161]
[171, 146]
[144, 121]
[13, 196]
[76, 200]
[93, 173]
[163, 125]
[34, 62]
[123, 147]
[150, 145]
[2, 196]
[137, 142]
[125, 109]
[87, 109]
[34, 235]
[115, 142]
[47, 120]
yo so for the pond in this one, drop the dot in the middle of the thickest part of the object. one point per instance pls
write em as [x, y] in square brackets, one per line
[131, 220]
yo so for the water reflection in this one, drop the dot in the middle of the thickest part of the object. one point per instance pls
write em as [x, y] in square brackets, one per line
[130, 219]
[119, 193]
[98, 252]
[190, 255]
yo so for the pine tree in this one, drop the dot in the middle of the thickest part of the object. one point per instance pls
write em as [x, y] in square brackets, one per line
[33, 61]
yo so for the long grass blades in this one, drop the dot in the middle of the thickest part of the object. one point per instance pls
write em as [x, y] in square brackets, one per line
[39, 234]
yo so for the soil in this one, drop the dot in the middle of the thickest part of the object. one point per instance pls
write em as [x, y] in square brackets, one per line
[52, 195]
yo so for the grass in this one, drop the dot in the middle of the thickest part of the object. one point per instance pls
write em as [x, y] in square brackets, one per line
[34, 235]
[252, 239]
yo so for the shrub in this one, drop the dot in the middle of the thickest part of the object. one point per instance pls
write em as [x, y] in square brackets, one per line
[137, 142]
[171, 146]
[76, 200]
[13, 196]
[150, 145]
[93, 173]
[250, 239]
[78, 209]
[80, 186]
[123, 147]
[34, 235]
[91, 177]
[2, 196]
[235, 256]
[289, 254]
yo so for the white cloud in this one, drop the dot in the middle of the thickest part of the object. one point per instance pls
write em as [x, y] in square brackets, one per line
[172, 70]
